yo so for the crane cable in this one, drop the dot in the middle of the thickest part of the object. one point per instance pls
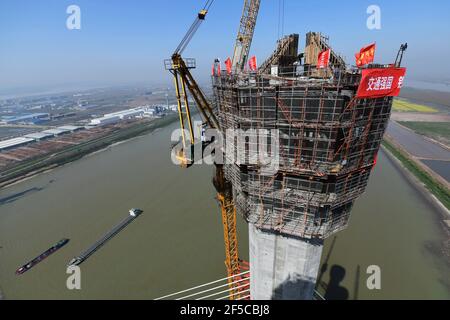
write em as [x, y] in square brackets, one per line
[193, 29]
[208, 5]
[281, 12]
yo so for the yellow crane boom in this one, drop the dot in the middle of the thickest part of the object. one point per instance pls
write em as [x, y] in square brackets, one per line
[184, 82]
[245, 34]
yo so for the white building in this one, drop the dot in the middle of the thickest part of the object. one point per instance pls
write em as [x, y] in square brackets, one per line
[55, 132]
[13, 143]
[115, 117]
[104, 121]
[127, 114]
[70, 128]
[39, 136]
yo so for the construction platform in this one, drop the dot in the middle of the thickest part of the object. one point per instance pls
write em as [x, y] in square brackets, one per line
[328, 139]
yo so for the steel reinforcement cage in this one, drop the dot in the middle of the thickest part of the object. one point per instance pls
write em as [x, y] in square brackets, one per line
[328, 141]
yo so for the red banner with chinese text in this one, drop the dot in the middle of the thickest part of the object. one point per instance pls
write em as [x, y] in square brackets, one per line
[384, 82]
[323, 59]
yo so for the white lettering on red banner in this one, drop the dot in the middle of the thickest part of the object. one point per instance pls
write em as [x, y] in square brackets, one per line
[386, 82]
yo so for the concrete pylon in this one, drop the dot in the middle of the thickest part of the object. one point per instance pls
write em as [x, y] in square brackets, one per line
[282, 268]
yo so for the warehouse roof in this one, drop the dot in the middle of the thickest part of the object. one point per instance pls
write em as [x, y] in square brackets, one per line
[14, 142]
[70, 128]
[38, 135]
[55, 132]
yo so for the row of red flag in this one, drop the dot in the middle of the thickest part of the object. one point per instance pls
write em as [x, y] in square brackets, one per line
[216, 69]
[365, 56]
[375, 82]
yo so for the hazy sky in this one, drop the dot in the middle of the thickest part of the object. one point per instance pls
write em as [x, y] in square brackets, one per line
[126, 41]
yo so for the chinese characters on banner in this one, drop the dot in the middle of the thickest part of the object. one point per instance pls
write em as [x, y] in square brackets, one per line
[323, 59]
[366, 55]
[378, 83]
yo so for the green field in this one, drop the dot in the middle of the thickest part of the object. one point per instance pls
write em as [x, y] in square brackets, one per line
[437, 130]
[405, 106]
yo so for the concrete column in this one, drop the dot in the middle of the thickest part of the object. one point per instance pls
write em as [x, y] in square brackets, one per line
[282, 268]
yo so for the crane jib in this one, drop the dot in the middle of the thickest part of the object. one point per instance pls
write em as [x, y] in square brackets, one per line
[184, 81]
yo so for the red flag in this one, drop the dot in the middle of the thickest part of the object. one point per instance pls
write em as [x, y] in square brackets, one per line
[366, 55]
[252, 64]
[213, 71]
[228, 65]
[323, 59]
[384, 82]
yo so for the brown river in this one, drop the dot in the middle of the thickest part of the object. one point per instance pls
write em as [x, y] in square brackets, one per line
[178, 242]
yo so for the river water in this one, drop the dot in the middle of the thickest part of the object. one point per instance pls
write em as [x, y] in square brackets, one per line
[178, 242]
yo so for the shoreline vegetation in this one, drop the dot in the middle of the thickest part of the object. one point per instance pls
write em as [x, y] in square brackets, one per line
[35, 166]
[435, 187]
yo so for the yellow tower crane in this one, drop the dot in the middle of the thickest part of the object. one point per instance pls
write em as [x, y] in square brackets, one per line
[184, 82]
[245, 34]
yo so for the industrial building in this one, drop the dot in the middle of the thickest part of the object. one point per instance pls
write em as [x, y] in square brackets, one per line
[37, 136]
[140, 112]
[104, 121]
[115, 117]
[55, 132]
[33, 118]
[71, 128]
[14, 143]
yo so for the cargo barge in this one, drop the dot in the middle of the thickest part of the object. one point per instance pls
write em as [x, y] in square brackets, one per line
[133, 214]
[41, 257]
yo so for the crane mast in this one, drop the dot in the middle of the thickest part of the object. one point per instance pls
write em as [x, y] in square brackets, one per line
[245, 34]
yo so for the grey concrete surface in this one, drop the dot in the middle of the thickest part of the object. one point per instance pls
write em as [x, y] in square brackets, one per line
[282, 268]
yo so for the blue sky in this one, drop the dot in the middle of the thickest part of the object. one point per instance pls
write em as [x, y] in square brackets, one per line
[126, 41]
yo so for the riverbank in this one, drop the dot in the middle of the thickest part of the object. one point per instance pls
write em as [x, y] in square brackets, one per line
[424, 184]
[425, 179]
[38, 165]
